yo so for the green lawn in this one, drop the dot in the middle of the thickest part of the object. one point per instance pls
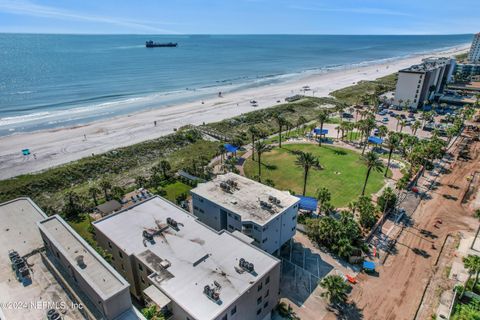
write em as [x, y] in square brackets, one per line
[343, 174]
[81, 225]
[175, 189]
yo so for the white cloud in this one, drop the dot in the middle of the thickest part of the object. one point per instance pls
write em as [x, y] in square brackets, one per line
[36, 10]
[373, 11]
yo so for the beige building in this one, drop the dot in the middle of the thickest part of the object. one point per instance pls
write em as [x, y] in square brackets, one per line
[474, 53]
[238, 204]
[422, 82]
[189, 270]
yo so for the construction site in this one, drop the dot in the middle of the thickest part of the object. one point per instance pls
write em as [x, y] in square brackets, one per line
[414, 278]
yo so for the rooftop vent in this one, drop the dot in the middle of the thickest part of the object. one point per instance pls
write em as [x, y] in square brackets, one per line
[245, 265]
[212, 292]
[265, 205]
[172, 223]
[80, 262]
[225, 187]
[165, 264]
[274, 200]
[147, 235]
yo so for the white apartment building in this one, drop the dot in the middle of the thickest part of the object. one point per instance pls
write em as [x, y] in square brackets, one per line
[101, 287]
[474, 53]
[189, 270]
[238, 204]
[422, 81]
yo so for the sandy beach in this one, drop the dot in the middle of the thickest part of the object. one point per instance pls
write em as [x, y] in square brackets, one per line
[58, 146]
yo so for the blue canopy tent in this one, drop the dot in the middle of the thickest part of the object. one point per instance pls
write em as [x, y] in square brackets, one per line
[230, 148]
[308, 203]
[368, 266]
[375, 140]
[322, 132]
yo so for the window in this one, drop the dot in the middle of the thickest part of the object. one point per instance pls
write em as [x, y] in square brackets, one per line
[259, 300]
[224, 317]
[109, 245]
[120, 254]
[294, 217]
[140, 267]
[255, 227]
[265, 305]
[293, 228]
[259, 311]
[267, 293]
[236, 218]
[260, 287]
[58, 255]
[264, 240]
[143, 280]
[231, 227]
[267, 280]
[234, 310]
[123, 268]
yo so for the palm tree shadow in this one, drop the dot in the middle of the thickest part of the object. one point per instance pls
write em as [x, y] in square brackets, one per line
[270, 166]
[348, 311]
[340, 152]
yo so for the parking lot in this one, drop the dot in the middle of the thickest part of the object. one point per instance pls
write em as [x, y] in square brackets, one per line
[302, 269]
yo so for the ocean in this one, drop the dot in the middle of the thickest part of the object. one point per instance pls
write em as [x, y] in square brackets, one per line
[50, 81]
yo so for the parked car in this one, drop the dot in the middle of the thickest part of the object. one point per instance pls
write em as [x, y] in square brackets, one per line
[384, 120]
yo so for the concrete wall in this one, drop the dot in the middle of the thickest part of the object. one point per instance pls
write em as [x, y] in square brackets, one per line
[409, 87]
[110, 308]
[121, 262]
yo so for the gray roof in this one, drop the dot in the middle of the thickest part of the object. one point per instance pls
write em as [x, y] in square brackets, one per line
[193, 255]
[245, 198]
[18, 227]
[95, 271]
[109, 207]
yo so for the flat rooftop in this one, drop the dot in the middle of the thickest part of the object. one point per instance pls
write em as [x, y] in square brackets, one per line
[428, 64]
[18, 226]
[195, 255]
[94, 270]
[245, 197]
[19, 231]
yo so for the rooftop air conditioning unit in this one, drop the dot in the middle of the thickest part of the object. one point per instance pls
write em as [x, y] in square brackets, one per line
[245, 265]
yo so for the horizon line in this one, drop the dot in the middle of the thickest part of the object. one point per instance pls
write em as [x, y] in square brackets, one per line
[239, 34]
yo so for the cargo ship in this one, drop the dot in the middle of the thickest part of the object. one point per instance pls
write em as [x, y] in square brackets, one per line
[151, 44]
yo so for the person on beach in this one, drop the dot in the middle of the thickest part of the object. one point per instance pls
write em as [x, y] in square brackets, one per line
[155, 123]
[35, 156]
[85, 137]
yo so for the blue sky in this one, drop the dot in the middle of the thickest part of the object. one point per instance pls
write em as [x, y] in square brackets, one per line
[241, 16]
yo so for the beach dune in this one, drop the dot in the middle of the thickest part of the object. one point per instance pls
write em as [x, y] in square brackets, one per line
[58, 146]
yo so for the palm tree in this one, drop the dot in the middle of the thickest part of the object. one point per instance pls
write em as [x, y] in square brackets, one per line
[415, 126]
[253, 131]
[343, 248]
[221, 152]
[402, 124]
[280, 122]
[336, 289]
[472, 264]
[367, 128]
[393, 141]
[105, 185]
[165, 167]
[300, 122]
[372, 161]
[93, 192]
[323, 196]
[322, 117]
[261, 147]
[72, 205]
[307, 161]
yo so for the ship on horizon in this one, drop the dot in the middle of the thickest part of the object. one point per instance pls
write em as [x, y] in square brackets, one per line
[151, 44]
